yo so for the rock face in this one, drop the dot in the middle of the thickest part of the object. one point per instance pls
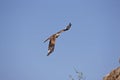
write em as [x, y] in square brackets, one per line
[113, 75]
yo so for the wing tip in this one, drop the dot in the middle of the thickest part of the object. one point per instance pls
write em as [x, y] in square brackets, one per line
[68, 27]
[70, 24]
[47, 54]
[49, 51]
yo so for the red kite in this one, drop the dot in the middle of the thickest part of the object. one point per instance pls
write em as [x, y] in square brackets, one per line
[53, 37]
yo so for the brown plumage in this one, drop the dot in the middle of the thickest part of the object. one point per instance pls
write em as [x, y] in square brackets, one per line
[52, 39]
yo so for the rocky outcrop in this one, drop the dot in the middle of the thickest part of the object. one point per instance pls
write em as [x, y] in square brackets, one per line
[113, 75]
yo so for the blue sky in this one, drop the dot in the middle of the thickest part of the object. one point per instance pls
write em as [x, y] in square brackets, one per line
[92, 45]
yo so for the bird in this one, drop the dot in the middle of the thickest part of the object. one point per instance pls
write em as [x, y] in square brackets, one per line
[52, 39]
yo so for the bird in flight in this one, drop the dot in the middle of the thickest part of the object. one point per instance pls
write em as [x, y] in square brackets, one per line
[53, 37]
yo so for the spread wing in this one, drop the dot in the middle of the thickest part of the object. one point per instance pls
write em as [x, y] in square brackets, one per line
[51, 44]
[47, 39]
[67, 28]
